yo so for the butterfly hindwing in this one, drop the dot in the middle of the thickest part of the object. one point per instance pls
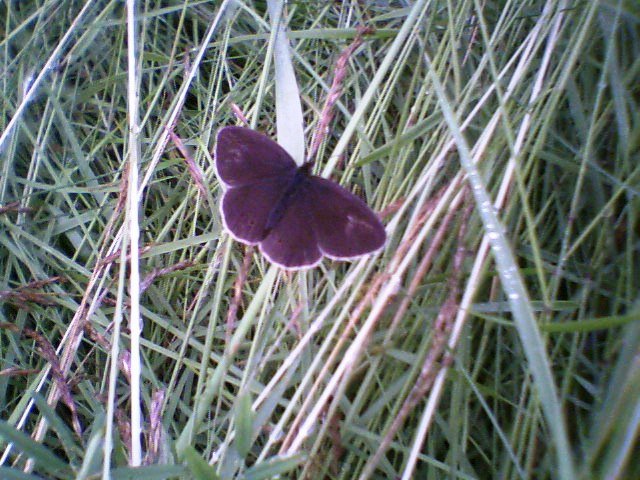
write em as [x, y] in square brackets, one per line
[246, 209]
[292, 243]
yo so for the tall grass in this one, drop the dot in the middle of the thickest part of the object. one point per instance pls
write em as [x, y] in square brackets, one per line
[496, 336]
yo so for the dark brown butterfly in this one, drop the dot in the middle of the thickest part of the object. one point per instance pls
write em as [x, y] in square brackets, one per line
[295, 217]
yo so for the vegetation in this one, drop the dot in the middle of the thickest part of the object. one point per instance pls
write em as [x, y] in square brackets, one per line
[482, 342]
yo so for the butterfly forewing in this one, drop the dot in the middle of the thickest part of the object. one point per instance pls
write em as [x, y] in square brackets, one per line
[344, 225]
[244, 157]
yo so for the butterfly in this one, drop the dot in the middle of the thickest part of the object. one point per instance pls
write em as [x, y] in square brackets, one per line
[295, 217]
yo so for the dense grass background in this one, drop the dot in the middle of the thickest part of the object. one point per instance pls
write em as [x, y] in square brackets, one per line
[482, 343]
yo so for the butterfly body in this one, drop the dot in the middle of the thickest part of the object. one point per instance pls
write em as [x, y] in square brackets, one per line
[295, 217]
[297, 185]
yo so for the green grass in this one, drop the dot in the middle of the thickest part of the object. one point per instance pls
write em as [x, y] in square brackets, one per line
[481, 343]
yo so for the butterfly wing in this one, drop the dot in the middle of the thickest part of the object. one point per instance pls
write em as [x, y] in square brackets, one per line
[344, 226]
[246, 210]
[292, 242]
[323, 219]
[255, 171]
[320, 218]
[244, 157]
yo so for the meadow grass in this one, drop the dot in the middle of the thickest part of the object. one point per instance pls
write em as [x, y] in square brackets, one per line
[495, 336]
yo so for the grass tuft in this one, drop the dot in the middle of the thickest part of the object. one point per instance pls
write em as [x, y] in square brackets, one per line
[495, 336]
